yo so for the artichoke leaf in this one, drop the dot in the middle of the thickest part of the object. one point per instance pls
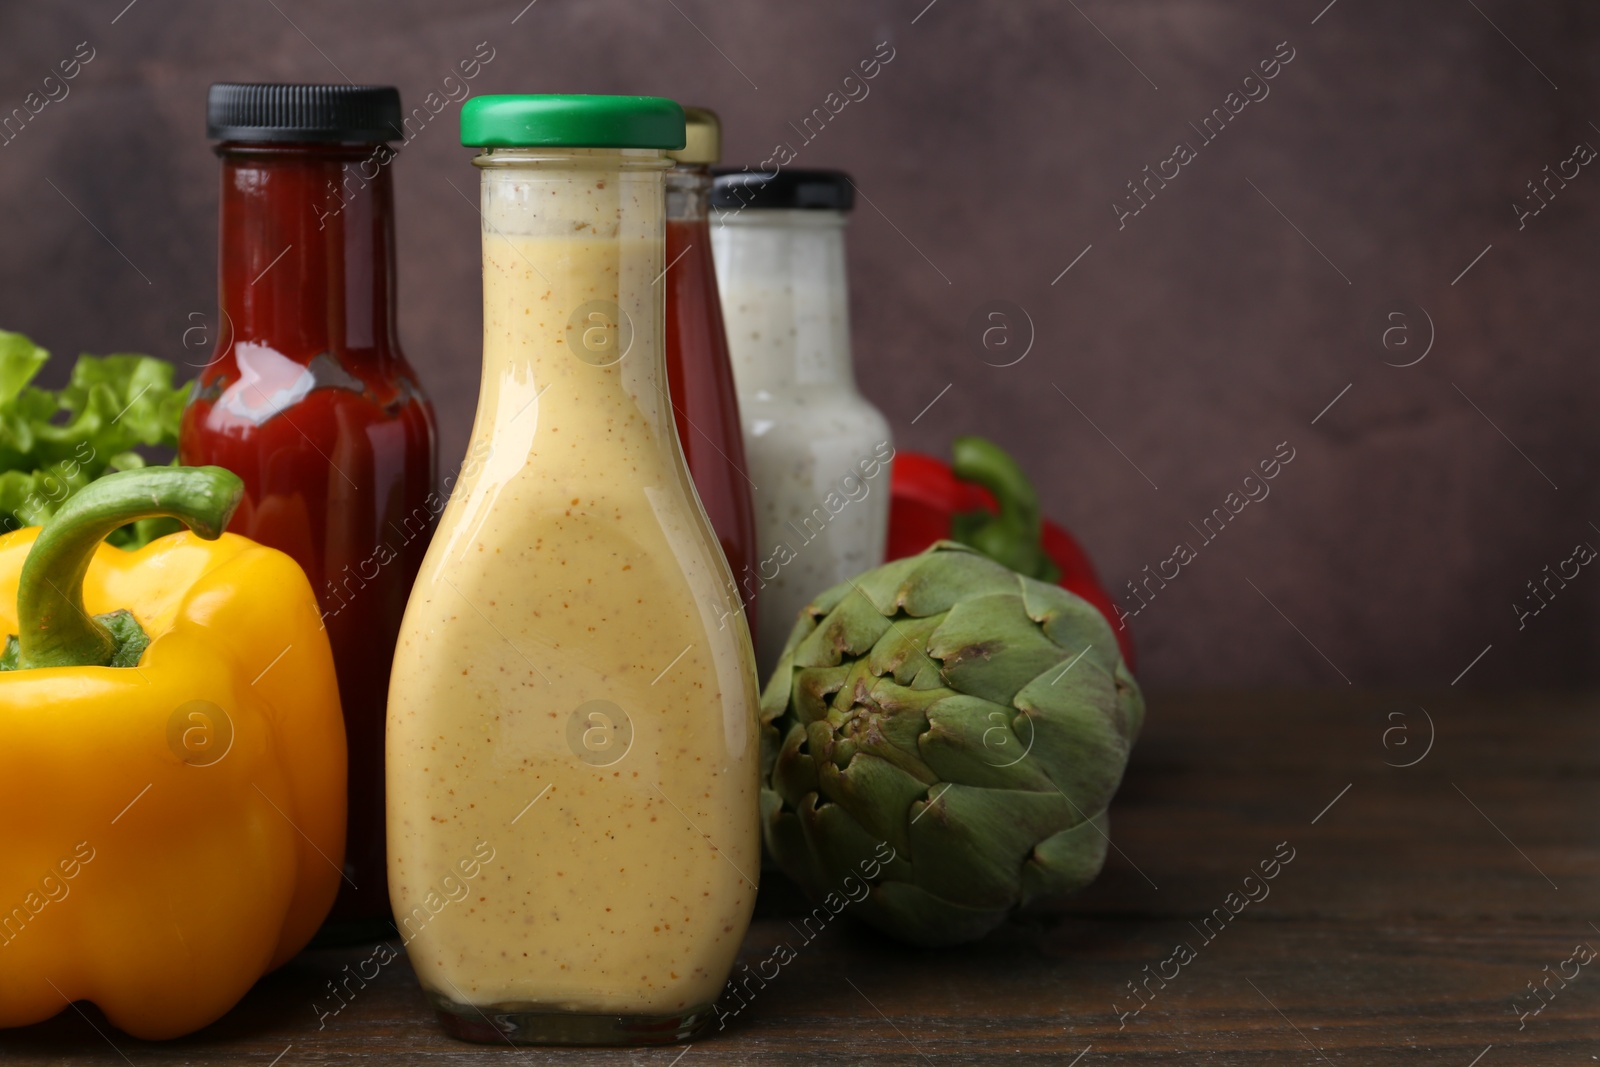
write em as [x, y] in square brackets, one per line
[902, 651]
[815, 689]
[771, 804]
[968, 844]
[1066, 862]
[929, 676]
[774, 703]
[1071, 622]
[816, 745]
[886, 719]
[948, 574]
[858, 685]
[840, 847]
[785, 835]
[881, 587]
[980, 743]
[852, 627]
[886, 694]
[876, 793]
[1130, 699]
[793, 773]
[990, 648]
[1080, 733]
[770, 743]
[826, 601]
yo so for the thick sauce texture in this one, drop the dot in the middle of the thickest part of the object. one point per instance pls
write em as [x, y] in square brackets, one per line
[563, 698]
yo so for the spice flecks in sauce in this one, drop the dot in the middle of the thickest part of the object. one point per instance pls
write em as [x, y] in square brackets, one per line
[604, 569]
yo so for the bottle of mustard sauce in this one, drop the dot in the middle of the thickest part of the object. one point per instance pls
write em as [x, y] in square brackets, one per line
[572, 736]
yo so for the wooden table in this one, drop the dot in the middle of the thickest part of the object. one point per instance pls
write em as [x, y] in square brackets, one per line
[1420, 902]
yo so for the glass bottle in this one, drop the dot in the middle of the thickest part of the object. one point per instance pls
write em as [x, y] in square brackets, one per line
[819, 452]
[700, 378]
[309, 399]
[573, 750]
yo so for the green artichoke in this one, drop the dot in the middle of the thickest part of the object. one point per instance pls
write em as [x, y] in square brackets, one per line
[975, 720]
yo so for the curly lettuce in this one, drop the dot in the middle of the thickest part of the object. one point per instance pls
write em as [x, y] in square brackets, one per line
[54, 443]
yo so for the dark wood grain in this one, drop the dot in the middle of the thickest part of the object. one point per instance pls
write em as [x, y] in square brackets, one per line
[1413, 914]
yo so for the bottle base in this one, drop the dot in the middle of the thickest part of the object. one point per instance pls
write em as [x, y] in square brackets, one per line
[535, 1025]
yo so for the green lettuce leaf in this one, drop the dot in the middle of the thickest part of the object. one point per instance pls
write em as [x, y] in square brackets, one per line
[54, 443]
[20, 360]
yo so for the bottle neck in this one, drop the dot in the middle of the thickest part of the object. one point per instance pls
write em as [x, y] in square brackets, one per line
[784, 297]
[688, 186]
[573, 259]
[306, 262]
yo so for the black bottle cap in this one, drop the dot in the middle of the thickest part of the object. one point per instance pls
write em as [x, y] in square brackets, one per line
[318, 114]
[819, 190]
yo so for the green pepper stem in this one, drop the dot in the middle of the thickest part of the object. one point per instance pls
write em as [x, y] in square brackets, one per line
[1013, 536]
[53, 628]
[976, 459]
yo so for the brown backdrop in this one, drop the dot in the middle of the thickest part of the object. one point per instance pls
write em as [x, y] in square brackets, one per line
[1179, 350]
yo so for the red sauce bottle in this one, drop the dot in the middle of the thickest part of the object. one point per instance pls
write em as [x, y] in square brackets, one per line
[699, 375]
[309, 400]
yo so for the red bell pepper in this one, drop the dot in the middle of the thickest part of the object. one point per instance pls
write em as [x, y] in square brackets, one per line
[983, 499]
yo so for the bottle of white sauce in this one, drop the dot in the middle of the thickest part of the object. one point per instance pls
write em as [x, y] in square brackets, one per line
[818, 452]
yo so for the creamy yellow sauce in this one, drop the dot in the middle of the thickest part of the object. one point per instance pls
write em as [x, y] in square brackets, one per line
[572, 596]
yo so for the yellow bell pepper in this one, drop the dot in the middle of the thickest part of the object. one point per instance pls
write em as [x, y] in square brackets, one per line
[173, 829]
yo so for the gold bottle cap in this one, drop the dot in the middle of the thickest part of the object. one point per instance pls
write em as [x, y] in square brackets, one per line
[703, 138]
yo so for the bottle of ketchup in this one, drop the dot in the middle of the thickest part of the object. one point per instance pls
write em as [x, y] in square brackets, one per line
[308, 398]
[705, 403]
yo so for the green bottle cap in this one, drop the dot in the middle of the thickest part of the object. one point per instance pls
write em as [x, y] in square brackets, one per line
[572, 121]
